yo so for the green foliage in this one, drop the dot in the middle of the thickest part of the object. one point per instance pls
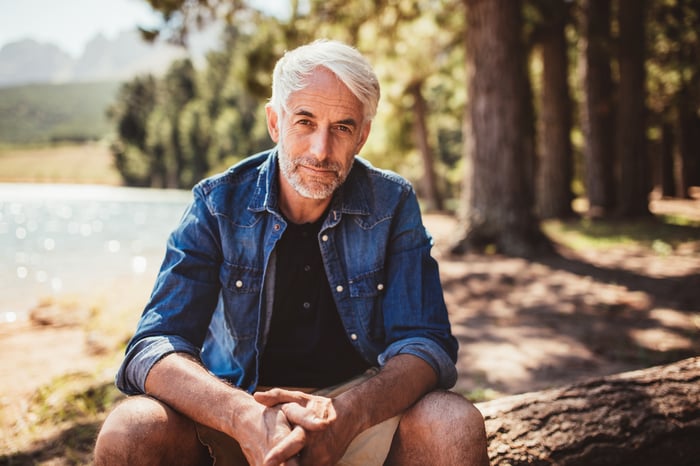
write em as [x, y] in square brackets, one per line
[206, 119]
[42, 113]
[173, 131]
[222, 119]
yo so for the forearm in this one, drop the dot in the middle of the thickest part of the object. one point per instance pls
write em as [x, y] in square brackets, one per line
[180, 381]
[399, 384]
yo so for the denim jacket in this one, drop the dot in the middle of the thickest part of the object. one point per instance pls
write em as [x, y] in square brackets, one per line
[213, 295]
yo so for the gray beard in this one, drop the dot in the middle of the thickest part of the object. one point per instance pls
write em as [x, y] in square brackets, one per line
[311, 189]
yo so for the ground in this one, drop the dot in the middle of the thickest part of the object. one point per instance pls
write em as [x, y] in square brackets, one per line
[521, 325]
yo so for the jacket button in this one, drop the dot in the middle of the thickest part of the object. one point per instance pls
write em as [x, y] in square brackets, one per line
[353, 336]
[324, 238]
[380, 286]
[339, 288]
[239, 284]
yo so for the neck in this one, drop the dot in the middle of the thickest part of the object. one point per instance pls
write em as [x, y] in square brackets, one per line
[299, 209]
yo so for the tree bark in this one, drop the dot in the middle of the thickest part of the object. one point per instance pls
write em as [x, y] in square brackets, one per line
[498, 191]
[633, 180]
[431, 193]
[649, 417]
[555, 168]
[668, 176]
[597, 119]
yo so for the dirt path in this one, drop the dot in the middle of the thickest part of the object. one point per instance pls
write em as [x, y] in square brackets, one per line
[525, 326]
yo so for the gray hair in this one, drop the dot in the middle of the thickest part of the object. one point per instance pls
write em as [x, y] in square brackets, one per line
[347, 63]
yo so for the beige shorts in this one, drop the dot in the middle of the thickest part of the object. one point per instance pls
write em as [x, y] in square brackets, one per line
[369, 448]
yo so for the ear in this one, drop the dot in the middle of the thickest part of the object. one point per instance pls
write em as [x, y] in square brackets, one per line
[363, 136]
[272, 123]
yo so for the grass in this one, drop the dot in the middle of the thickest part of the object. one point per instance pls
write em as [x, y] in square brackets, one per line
[89, 163]
[49, 112]
[661, 234]
[66, 415]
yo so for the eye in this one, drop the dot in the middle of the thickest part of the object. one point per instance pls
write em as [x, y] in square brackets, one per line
[344, 129]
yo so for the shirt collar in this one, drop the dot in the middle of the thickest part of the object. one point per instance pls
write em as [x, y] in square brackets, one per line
[350, 198]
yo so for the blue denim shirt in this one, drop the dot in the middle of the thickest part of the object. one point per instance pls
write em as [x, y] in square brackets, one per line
[213, 295]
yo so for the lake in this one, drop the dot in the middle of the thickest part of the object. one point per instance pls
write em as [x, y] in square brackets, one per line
[63, 240]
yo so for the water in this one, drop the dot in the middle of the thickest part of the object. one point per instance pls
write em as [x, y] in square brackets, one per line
[60, 240]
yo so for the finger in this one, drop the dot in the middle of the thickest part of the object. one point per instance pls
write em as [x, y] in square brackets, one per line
[276, 396]
[287, 448]
[305, 417]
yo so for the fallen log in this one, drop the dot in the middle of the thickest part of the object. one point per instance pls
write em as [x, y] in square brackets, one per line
[646, 417]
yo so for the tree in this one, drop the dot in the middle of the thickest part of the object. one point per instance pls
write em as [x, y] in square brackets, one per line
[498, 188]
[400, 35]
[633, 180]
[430, 190]
[555, 168]
[135, 102]
[597, 116]
[673, 80]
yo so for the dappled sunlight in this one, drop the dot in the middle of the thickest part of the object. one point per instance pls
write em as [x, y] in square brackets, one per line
[525, 325]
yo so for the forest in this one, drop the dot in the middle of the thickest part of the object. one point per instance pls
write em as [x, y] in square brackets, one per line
[506, 111]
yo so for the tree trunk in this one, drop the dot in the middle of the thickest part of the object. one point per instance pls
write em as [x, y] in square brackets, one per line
[555, 168]
[689, 150]
[633, 180]
[597, 118]
[668, 174]
[498, 193]
[431, 193]
[643, 418]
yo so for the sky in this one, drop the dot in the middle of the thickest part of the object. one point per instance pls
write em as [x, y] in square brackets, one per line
[70, 24]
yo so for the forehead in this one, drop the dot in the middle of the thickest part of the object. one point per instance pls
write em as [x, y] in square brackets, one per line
[325, 94]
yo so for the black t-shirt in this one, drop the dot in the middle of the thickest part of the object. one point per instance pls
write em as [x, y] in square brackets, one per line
[307, 345]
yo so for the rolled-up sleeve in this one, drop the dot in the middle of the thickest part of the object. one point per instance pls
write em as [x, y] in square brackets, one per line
[428, 351]
[143, 355]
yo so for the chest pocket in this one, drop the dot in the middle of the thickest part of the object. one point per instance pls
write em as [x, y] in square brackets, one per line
[241, 299]
[367, 285]
[367, 293]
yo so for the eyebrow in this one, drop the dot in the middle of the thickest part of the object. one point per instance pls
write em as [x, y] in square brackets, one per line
[346, 121]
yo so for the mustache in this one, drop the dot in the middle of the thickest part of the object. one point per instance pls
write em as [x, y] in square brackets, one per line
[313, 163]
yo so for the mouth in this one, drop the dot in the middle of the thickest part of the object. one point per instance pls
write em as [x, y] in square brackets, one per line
[319, 171]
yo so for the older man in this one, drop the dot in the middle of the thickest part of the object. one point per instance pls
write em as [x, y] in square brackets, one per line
[298, 317]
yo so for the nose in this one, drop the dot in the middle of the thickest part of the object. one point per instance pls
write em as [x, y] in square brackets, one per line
[320, 144]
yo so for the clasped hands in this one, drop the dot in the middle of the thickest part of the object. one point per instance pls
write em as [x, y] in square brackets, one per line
[306, 429]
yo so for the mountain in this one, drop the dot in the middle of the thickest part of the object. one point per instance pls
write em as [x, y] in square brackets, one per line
[29, 61]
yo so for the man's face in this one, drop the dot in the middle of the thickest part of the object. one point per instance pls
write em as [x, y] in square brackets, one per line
[318, 135]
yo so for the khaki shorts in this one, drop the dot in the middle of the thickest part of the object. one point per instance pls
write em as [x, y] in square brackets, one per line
[369, 448]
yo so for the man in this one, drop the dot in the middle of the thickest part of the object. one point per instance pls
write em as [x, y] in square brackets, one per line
[305, 269]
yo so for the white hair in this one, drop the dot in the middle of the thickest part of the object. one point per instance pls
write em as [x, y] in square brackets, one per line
[292, 71]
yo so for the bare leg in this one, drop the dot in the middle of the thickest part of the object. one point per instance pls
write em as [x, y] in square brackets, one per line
[142, 430]
[441, 428]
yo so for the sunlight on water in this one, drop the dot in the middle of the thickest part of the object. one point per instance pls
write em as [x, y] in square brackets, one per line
[71, 238]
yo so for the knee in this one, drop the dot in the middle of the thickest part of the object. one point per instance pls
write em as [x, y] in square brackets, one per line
[137, 423]
[447, 416]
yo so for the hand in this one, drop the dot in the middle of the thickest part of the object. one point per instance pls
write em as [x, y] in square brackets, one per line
[327, 437]
[270, 440]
